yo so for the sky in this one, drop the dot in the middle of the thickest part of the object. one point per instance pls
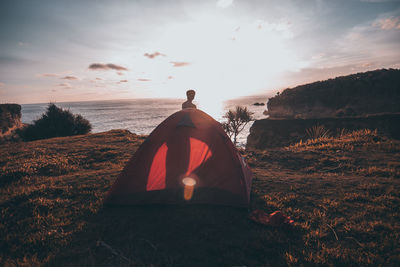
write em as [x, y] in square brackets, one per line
[58, 51]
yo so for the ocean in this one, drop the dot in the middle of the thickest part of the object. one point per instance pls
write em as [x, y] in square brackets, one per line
[141, 116]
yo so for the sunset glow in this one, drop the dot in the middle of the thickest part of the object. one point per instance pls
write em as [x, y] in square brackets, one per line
[222, 49]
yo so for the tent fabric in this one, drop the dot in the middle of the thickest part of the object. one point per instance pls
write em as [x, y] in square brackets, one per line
[189, 143]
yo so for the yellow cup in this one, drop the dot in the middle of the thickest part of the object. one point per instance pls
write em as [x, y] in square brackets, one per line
[189, 187]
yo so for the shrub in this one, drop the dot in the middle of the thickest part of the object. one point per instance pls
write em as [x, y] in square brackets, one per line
[56, 122]
[236, 121]
[318, 131]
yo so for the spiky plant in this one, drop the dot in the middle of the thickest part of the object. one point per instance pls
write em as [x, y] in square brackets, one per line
[318, 131]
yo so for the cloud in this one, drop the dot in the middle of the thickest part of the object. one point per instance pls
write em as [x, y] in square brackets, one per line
[120, 73]
[179, 64]
[388, 23]
[65, 85]
[2, 85]
[71, 78]
[224, 3]
[318, 56]
[144, 80]
[96, 80]
[155, 54]
[47, 75]
[123, 81]
[109, 66]
[367, 64]
[361, 44]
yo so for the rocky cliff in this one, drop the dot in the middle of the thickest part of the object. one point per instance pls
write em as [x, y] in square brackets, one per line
[10, 118]
[268, 133]
[360, 94]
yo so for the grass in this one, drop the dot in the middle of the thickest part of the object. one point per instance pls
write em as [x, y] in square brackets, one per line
[362, 151]
[343, 194]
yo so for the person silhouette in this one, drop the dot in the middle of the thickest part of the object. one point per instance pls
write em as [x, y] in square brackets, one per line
[190, 96]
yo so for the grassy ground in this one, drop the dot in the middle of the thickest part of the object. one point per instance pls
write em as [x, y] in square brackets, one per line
[343, 193]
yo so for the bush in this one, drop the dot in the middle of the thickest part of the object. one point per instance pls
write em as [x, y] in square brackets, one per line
[56, 122]
[318, 131]
[236, 121]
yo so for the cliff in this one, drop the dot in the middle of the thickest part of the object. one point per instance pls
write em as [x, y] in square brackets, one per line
[10, 118]
[360, 94]
[268, 133]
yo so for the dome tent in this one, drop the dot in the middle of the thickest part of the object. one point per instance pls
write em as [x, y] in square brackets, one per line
[188, 158]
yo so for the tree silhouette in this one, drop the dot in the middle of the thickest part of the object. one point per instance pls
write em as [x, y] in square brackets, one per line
[237, 119]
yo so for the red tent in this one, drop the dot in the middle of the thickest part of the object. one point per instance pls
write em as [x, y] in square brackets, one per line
[188, 158]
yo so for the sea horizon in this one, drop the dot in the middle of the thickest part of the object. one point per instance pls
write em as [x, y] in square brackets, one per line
[141, 115]
[140, 98]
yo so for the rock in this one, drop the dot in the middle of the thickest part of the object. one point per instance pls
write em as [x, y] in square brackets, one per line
[258, 104]
[373, 92]
[283, 132]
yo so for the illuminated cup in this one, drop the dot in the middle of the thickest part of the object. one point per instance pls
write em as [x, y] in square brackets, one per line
[189, 184]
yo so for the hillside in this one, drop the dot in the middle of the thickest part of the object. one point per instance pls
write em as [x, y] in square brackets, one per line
[358, 94]
[343, 195]
[10, 118]
[267, 133]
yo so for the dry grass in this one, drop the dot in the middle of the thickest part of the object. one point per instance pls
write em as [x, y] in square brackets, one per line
[343, 195]
[363, 138]
[363, 151]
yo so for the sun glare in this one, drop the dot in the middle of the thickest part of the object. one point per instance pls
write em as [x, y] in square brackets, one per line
[224, 58]
[219, 56]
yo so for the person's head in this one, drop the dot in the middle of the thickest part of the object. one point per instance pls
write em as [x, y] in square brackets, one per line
[190, 94]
